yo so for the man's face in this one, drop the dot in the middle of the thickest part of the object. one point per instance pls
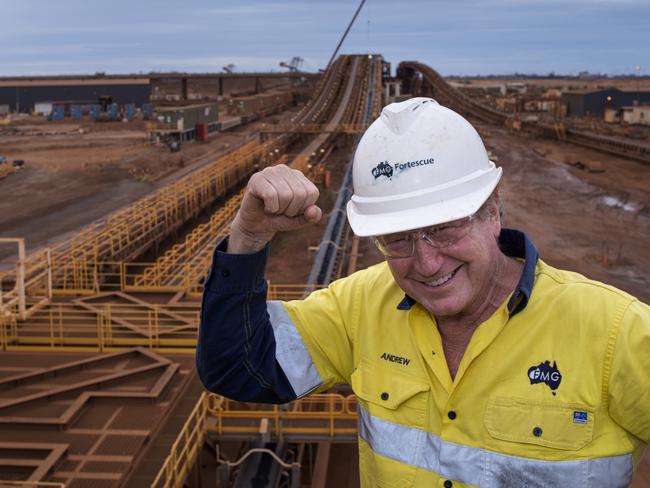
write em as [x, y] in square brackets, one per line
[454, 280]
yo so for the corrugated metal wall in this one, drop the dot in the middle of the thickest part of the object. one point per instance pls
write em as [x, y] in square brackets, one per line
[26, 96]
[594, 103]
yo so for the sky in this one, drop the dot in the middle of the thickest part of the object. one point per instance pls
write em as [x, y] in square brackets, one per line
[455, 37]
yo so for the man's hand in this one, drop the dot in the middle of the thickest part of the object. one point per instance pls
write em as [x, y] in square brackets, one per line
[277, 199]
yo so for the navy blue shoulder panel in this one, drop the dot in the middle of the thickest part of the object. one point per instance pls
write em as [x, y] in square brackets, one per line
[235, 351]
[516, 244]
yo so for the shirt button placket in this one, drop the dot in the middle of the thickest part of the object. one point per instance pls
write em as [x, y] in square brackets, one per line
[451, 415]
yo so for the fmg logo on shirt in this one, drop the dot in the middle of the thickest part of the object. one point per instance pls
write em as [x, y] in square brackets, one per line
[547, 374]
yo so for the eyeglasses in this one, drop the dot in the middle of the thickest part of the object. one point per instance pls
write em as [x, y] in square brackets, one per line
[402, 244]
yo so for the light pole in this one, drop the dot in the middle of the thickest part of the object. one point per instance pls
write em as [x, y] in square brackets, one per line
[637, 68]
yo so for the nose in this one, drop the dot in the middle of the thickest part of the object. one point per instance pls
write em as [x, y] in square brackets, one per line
[429, 259]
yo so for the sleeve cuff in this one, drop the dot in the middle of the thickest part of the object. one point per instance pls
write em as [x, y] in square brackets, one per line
[236, 273]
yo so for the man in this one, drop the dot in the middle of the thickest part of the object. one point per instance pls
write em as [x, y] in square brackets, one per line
[474, 362]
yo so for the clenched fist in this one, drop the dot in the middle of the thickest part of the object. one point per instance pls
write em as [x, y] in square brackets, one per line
[276, 199]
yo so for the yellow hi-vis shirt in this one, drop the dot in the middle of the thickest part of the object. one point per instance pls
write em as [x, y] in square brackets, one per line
[555, 395]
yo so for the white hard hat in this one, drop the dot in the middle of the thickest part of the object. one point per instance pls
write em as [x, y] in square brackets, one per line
[418, 164]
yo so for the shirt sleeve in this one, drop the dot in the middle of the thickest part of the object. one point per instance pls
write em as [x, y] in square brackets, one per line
[236, 347]
[629, 382]
[325, 321]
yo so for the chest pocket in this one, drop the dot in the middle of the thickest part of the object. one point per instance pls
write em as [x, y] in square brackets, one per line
[392, 416]
[394, 396]
[542, 423]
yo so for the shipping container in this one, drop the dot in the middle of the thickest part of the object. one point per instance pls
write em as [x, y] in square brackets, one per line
[230, 123]
[129, 110]
[75, 111]
[58, 112]
[201, 131]
[43, 108]
[111, 111]
[147, 111]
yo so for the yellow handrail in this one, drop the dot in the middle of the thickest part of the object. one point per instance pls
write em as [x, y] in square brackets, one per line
[327, 414]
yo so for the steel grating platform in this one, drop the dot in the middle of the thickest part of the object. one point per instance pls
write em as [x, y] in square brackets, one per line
[84, 420]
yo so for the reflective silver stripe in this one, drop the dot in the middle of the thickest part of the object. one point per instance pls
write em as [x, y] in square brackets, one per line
[395, 441]
[291, 353]
[487, 469]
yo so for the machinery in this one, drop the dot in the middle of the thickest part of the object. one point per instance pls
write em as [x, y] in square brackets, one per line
[294, 65]
[6, 169]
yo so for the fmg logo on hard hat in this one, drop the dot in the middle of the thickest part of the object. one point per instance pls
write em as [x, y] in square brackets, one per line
[385, 169]
[382, 169]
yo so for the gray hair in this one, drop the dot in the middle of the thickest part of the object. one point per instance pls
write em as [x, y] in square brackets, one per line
[484, 212]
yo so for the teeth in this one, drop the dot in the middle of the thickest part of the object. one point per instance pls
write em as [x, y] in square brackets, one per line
[442, 280]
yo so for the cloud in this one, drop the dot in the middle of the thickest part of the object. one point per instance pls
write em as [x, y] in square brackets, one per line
[514, 35]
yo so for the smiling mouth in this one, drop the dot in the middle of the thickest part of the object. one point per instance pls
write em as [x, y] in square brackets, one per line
[442, 280]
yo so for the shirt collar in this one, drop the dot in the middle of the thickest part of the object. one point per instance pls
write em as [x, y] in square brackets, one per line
[516, 244]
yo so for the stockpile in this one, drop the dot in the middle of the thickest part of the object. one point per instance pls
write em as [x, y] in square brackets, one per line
[262, 102]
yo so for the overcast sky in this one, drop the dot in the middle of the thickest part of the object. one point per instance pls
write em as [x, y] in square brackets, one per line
[455, 37]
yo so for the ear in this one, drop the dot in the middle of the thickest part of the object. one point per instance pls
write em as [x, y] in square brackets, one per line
[495, 215]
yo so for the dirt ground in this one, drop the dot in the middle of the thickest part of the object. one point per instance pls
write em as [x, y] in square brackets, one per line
[629, 83]
[596, 223]
[78, 172]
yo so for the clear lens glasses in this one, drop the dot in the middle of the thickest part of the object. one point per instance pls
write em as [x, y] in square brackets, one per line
[402, 244]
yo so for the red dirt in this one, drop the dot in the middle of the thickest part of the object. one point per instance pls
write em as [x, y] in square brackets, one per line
[76, 173]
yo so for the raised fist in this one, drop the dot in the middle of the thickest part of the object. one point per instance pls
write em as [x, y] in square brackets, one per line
[276, 199]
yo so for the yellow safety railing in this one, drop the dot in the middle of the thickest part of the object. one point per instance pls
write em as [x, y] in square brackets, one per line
[180, 270]
[326, 414]
[186, 263]
[27, 280]
[8, 326]
[88, 326]
[290, 291]
[127, 232]
[113, 322]
[185, 449]
[348, 128]
[86, 263]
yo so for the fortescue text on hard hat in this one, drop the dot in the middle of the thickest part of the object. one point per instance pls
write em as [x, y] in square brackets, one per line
[388, 169]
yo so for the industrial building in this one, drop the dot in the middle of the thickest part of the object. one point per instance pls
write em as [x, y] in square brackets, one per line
[22, 94]
[182, 118]
[632, 115]
[188, 122]
[581, 103]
